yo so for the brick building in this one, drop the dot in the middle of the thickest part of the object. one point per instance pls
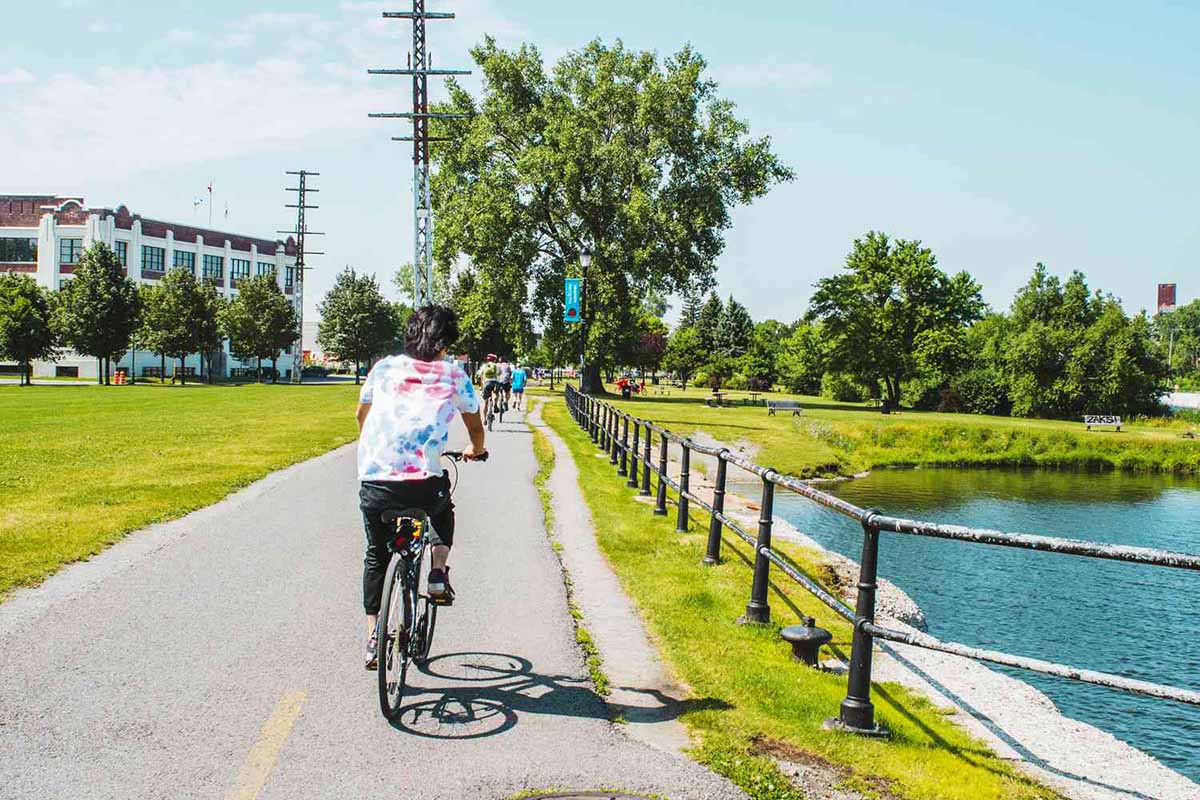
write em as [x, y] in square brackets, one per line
[44, 235]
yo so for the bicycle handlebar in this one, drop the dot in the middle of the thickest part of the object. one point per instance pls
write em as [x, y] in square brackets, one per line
[457, 455]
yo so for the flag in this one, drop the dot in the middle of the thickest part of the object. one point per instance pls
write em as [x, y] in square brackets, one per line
[572, 291]
[210, 188]
[226, 209]
[197, 201]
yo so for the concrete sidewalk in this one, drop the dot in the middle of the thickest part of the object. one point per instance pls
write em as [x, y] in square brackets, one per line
[219, 656]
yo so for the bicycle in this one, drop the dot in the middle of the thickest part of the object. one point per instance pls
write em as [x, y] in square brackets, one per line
[407, 615]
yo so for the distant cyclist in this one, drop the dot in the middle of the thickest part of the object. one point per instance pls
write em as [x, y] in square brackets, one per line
[519, 377]
[404, 413]
[506, 382]
[488, 376]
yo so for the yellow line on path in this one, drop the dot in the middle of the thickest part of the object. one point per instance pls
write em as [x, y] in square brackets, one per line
[261, 759]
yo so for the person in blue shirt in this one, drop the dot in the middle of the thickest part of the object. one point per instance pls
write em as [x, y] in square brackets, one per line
[519, 376]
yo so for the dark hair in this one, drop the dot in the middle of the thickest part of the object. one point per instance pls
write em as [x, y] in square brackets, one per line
[431, 329]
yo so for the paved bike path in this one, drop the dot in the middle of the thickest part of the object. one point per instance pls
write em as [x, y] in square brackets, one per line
[219, 656]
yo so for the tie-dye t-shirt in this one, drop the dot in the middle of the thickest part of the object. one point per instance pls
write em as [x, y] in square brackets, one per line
[412, 405]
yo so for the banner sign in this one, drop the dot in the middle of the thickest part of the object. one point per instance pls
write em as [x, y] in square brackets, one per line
[572, 293]
[1166, 297]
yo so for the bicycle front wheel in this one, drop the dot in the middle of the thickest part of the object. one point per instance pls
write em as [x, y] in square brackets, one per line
[395, 623]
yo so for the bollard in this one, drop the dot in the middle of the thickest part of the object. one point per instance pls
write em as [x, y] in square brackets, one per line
[806, 640]
[645, 492]
[632, 483]
[857, 713]
[713, 554]
[681, 519]
[660, 506]
[758, 610]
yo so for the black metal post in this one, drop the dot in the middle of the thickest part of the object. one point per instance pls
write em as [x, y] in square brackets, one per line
[614, 444]
[594, 422]
[623, 469]
[713, 554]
[604, 423]
[660, 506]
[681, 520]
[758, 610]
[633, 456]
[646, 464]
[857, 713]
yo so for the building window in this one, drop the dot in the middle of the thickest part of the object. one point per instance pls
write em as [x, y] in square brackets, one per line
[185, 260]
[69, 250]
[266, 268]
[122, 249]
[239, 268]
[18, 251]
[289, 274]
[214, 267]
[154, 259]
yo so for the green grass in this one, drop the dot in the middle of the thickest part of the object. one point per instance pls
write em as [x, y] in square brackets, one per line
[845, 438]
[751, 698]
[79, 468]
[543, 451]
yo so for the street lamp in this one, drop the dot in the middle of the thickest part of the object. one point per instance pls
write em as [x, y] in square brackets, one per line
[585, 261]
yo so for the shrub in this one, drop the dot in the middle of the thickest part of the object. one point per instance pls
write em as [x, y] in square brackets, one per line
[981, 391]
[843, 388]
[737, 381]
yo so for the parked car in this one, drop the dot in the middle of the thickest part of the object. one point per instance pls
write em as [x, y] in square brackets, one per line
[314, 371]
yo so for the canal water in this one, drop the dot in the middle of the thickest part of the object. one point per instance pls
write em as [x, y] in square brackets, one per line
[1132, 620]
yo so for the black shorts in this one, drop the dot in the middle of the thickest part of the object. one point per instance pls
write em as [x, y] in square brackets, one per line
[432, 495]
[490, 388]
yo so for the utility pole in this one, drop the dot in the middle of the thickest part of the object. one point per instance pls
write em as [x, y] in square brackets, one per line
[301, 205]
[419, 69]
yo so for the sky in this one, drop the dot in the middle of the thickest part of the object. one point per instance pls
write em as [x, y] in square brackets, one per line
[999, 134]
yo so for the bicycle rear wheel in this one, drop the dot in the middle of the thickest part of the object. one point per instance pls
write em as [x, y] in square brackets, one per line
[395, 623]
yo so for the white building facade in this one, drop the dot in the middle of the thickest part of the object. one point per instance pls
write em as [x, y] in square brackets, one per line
[45, 235]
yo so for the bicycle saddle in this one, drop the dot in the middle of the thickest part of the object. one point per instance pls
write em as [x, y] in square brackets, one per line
[390, 516]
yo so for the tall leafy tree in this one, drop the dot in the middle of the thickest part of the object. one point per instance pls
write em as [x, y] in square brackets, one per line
[683, 355]
[210, 306]
[175, 317]
[26, 324]
[260, 322]
[689, 314]
[97, 309]
[357, 323]
[760, 363]
[154, 322]
[802, 359]
[614, 151]
[890, 293]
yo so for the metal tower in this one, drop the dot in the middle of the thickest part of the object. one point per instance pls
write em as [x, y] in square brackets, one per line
[419, 69]
[300, 233]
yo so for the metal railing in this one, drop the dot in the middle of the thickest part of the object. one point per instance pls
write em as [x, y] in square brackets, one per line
[609, 427]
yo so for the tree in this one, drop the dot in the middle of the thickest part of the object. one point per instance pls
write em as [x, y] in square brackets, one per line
[708, 325]
[207, 322]
[689, 314]
[802, 360]
[154, 322]
[735, 330]
[683, 355]
[357, 323]
[890, 293]
[175, 317]
[760, 362]
[614, 152]
[260, 321]
[26, 325]
[97, 309]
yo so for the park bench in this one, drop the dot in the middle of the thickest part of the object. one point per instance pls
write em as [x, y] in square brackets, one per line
[786, 405]
[1101, 419]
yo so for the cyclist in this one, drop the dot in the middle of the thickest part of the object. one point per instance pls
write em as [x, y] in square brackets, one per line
[506, 382]
[488, 376]
[404, 413]
[519, 377]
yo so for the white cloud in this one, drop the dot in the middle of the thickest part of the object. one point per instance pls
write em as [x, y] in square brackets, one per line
[788, 76]
[16, 75]
[116, 122]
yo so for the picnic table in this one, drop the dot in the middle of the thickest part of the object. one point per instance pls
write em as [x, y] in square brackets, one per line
[754, 398]
[717, 399]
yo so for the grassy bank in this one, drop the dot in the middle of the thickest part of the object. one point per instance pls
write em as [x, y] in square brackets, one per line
[844, 438]
[80, 467]
[751, 700]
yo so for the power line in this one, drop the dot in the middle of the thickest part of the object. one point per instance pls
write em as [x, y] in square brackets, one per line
[419, 69]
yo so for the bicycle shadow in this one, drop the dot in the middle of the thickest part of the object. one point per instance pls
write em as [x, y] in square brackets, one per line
[488, 693]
